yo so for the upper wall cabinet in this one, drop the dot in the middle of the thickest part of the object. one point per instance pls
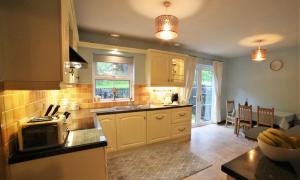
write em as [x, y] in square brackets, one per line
[165, 68]
[35, 38]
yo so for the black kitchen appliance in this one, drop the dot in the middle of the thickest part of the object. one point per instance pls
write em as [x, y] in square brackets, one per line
[174, 97]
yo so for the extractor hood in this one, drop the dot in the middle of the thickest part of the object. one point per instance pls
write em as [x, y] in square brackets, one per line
[76, 61]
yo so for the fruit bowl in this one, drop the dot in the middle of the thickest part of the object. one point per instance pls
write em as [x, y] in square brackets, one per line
[278, 153]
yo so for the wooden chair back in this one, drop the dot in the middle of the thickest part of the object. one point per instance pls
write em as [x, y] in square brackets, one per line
[245, 114]
[265, 116]
[229, 107]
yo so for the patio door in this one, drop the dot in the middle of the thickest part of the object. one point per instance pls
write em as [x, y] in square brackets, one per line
[201, 97]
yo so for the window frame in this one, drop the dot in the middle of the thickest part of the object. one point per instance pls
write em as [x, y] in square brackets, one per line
[119, 60]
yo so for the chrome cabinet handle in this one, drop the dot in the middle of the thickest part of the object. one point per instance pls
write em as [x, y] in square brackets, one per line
[181, 129]
[181, 114]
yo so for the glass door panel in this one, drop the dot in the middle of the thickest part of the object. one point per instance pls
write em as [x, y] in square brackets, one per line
[177, 71]
[206, 94]
[201, 95]
[193, 99]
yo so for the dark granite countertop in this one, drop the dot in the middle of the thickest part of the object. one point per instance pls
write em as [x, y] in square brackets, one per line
[255, 165]
[77, 140]
[106, 111]
[85, 133]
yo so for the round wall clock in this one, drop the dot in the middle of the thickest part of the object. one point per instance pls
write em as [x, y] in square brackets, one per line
[276, 65]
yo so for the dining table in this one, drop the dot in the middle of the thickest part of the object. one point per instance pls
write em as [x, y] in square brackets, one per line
[282, 119]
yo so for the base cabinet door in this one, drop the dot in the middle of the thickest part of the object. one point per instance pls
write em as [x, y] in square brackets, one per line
[88, 164]
[158, 125]
[108, 125]
[131, 130]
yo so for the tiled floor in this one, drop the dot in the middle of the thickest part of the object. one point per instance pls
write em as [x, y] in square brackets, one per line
[218, 145]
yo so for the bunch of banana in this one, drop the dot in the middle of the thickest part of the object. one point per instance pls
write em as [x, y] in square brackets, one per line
[278, 138]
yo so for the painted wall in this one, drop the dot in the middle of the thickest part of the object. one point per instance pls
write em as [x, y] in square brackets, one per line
[262, 86]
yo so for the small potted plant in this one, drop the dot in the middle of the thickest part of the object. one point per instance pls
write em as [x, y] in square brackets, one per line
[114, 93]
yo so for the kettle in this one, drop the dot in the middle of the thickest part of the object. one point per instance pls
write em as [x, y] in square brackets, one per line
[174, 98]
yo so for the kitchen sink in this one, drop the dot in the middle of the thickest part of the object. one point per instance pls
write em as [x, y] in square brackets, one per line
[132, 107]
[120, 108]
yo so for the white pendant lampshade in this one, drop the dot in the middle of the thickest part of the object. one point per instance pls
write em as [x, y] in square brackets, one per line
[166, 26]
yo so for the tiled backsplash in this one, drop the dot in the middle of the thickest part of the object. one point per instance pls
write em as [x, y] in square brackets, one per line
[83, 95]
[159, 94]
[17, 105]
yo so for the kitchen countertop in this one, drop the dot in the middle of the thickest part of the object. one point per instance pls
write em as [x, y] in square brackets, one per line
[77, 140]
[82, 135]
[255, 165]
[106, 111]
[81, 119]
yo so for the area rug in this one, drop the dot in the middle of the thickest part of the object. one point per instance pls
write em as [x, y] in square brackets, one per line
[158, 162]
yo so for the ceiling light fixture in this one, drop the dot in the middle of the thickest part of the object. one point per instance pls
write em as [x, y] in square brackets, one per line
[177, 44]
[259, 54]
[114, 35]
[166, 26]
[115, 52]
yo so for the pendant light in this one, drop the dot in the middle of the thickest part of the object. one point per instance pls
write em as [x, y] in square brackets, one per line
[166, 26]
[259, 54]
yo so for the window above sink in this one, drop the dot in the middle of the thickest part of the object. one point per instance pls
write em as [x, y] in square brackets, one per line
[113, 78]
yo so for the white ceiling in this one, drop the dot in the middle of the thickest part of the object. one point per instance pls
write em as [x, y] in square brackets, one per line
[212, 26]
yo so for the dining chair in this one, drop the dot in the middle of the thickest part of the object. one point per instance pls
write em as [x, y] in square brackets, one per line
[265, 116]
[230, 112]
[244, 118]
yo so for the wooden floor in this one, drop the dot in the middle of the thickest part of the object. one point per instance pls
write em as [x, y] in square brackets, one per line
[218, 145]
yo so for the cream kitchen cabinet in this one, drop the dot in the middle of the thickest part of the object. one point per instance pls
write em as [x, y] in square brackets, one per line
[181, 122]
[181, 129]
[158, 125]
[181, 115]
[88, 164]
[165, 68]
[35, 36]
[108, 124]
[131, 129]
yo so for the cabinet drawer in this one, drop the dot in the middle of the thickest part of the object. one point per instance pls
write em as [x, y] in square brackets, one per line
[180, 129]
[181, 115]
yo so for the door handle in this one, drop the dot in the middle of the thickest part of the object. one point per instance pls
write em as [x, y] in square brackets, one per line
[199, 98]
[181, 129]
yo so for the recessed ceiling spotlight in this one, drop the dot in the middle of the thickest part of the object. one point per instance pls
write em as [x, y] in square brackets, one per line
[177, 44]
[114, 35]
[115, 52]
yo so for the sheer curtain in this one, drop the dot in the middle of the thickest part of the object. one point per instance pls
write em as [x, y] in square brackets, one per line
[190, 67]
[217, 84]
